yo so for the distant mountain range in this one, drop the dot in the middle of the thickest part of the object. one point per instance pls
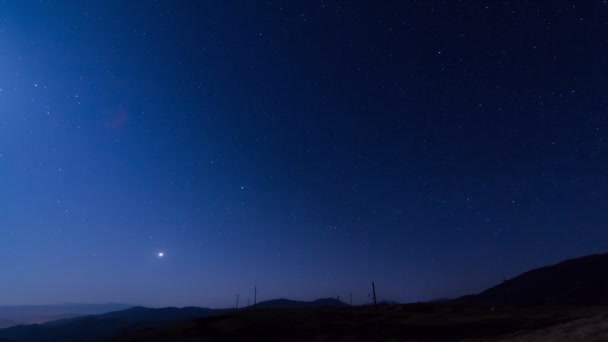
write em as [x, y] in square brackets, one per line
[5, 323]
[36, 314]
[100, 327]
[582, 281]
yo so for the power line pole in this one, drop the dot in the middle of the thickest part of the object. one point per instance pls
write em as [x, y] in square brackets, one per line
[378, 333]
[351, 298]
[237, 302]
[374, 295]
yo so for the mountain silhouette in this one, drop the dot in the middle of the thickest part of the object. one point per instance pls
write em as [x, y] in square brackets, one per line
[101, 327]
[5, 323]
[36, 314]
[581, 281]
[575, 282]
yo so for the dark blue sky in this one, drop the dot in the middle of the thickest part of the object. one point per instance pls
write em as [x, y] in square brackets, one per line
[308, 147]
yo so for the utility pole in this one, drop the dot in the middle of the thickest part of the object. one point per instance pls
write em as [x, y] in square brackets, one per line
[351, 298]
[378, 332]
[237, 302]
[374, 295]
[255, 296]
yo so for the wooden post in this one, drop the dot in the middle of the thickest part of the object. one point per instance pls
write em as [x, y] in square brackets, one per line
[374, 295]
[378, 333]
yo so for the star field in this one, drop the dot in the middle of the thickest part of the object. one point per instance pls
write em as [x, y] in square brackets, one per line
[178, 153]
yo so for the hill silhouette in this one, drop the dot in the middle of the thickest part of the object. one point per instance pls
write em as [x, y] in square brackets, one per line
[575, 285]
[36, 314]
[553, 298]
[104, 326]
[5, 323]
[581, 281]
[101, 327]
[293, 304]
[406, 322]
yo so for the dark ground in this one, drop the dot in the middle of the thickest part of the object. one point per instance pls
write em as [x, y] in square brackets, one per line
[412, 322]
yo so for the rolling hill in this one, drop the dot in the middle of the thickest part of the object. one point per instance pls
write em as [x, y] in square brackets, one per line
[407, 322]
[100, 327]
[581, 282]
[547, 296]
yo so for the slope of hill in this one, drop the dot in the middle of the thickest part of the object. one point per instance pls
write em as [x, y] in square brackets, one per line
[581, 281]
[5, 323]
[409, 322]
[101, 327]
[572, 285]
[36, 314]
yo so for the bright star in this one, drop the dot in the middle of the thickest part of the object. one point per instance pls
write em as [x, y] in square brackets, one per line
[161, 254]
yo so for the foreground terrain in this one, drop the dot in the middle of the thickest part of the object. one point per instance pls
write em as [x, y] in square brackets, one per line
[413, 322]
[567, 301]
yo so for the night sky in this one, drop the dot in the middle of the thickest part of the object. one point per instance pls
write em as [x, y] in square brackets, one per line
[308, 147]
